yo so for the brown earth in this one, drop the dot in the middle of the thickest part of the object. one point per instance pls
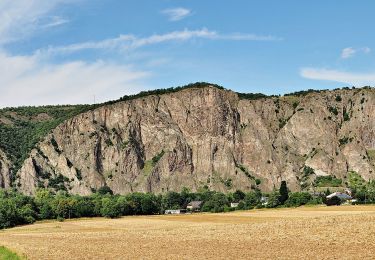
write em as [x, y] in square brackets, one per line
[343, 232]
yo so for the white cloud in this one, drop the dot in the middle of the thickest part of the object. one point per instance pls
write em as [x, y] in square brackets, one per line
[350, 52]
[29, 80]
[55, 21]
[347, 52]
[20, 18]
[246, 37]
[176, 14]
[126, 42]
[355, 79]
[35, 80]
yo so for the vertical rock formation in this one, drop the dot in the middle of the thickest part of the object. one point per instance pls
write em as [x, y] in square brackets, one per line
[5, 171]
[207, 137]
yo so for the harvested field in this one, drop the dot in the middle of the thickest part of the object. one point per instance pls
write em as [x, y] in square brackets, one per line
[343, 232]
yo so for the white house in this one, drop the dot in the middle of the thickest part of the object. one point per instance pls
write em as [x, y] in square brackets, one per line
[175, 211]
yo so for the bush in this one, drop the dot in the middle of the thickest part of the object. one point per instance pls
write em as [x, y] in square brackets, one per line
[105, 190]
[216, 203]
[8, 213]
[297, 199]
[273, 200]
[238, 195]
[333, 201]
[252, 199]
[172, 200]
[110, 208]
[327, 181]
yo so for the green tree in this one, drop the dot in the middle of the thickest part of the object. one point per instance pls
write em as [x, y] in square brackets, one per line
[8, 213]
[150, 204]
[110, 208]
[252, 199]
[217, 203]
[283, 192]
[63, 206]
[238, 195]
[43, 200]
[172, 200]
[273, 200]
[298, 198]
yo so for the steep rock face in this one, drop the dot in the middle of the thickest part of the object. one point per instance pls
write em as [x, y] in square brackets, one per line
[5, 171]
[207, 137]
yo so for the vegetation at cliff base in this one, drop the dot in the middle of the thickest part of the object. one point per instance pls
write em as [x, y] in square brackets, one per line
[17, 209]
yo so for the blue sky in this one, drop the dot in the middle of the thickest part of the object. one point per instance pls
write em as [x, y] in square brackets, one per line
[67, 51]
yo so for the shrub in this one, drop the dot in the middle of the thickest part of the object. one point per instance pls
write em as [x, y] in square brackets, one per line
[346, 116]
[273, 200]
[8, 213]
[172, 200]
[252, 199]
[110, 208]
[333, 110]
[105, 190]
[327, 181]
[216, 203]
[297, 199]
[333, 201]
[238, 195]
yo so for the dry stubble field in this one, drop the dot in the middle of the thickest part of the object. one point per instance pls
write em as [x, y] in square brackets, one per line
[344, 232]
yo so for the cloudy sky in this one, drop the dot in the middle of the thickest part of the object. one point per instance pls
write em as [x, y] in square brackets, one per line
[68, 51]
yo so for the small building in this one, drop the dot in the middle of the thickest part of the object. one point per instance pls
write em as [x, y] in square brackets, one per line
[340, 195]
[175, 211]
[264, 200]
[234, 204]
[194, 206]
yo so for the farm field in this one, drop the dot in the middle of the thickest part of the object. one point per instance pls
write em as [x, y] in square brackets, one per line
[339, 232]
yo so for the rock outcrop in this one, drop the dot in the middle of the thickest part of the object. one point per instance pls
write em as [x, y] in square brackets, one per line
[5, 171]
[207, 137]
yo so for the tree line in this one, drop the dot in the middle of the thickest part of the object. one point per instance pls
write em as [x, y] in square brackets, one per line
[19, 209]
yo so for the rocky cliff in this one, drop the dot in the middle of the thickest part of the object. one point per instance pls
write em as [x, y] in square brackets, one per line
[5, 171]
[207, 137]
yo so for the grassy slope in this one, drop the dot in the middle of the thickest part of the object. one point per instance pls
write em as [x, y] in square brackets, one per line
[6, 254]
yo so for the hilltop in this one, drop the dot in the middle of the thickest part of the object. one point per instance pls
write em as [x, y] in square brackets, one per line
[201, 135]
